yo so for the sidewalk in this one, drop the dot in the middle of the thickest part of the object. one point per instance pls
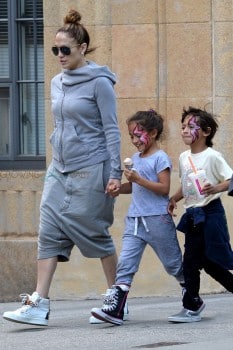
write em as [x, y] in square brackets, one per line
[147, 328]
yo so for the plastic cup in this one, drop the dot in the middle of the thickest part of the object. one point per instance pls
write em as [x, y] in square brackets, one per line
[199, 180]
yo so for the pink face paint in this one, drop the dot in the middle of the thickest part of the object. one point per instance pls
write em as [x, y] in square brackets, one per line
[194, 127]
[142, 134]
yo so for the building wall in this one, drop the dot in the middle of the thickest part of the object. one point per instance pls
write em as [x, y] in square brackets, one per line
[167, 54]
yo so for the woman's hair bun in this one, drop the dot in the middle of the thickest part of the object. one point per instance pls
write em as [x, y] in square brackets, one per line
[73, 17]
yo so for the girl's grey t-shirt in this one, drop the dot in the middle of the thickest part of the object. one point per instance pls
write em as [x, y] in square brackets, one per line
[145, 202]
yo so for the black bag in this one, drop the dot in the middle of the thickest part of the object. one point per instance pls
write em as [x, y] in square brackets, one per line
[230, 188]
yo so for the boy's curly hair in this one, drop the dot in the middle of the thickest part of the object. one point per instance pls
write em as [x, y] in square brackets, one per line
[206, 121]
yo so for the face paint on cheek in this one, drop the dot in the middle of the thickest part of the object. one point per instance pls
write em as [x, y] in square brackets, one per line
[145, 138]
[195, 127]
[142, 134]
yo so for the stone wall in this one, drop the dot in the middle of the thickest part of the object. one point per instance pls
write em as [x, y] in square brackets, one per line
[167, 54]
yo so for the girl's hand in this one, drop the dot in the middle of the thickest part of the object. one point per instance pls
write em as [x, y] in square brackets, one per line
[131, 175]
[113, 187]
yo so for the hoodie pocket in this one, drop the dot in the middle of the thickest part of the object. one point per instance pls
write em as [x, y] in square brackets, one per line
[74, 147]
[67, 144]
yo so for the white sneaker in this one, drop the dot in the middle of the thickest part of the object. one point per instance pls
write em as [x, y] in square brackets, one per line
[35, 311]
[95, 320]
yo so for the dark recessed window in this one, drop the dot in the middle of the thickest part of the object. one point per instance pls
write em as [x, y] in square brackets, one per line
[22, 120]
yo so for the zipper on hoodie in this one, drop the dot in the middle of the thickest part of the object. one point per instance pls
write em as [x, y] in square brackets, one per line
[62, 128]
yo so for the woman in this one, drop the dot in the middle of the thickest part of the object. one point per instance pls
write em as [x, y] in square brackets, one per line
[76, 208]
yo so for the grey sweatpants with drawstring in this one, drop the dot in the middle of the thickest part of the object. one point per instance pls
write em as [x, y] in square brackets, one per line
[159, 232]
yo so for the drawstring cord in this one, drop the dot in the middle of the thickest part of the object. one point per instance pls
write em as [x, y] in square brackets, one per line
[136, 225]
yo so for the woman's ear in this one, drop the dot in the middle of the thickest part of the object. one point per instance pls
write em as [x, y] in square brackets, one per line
[83, 48]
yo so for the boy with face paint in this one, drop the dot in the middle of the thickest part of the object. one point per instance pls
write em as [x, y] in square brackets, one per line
[147, 221]
[207, 243]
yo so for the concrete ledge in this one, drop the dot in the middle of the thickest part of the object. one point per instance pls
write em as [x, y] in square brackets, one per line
[18, 268]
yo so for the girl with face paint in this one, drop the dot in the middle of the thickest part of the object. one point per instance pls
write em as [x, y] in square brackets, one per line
[147, 221]
[207, 244]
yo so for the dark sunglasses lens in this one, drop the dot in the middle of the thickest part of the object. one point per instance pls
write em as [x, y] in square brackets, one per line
[64, 50]
[55, 50]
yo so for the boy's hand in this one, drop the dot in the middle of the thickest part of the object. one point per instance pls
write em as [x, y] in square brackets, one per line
[171, 206]
[208, 189]
[212, 189]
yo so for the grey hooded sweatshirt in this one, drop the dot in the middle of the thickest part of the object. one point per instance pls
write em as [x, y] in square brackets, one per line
[86, 129]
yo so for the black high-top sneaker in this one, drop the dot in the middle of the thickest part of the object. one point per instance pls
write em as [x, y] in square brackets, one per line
[113, 306]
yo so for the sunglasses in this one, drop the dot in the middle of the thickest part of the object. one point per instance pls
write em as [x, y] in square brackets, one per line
[65, 50]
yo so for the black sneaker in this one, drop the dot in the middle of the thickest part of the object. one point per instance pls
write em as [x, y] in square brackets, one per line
[113, 307]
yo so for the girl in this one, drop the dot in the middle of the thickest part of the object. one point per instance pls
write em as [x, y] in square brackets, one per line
[147, 221]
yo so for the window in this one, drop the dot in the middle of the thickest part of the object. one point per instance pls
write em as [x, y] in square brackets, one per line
[22, 122]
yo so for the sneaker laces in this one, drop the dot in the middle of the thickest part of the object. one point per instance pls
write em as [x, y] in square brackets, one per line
[105, 295]
[27, 302]
[110, 300]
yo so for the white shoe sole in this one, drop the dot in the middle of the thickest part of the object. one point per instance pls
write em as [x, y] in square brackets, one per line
[33, 321]
[188, 319]
[94, 320]
[99, 314]
[194, 317]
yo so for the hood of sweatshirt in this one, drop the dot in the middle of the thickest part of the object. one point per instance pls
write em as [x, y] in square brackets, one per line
[86, 73]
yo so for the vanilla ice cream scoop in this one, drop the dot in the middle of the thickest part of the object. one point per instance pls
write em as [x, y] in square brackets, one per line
[128, 163]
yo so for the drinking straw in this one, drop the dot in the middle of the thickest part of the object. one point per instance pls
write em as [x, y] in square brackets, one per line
[192, 165]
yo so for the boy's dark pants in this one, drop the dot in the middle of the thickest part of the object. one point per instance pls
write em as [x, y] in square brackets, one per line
[195, 260]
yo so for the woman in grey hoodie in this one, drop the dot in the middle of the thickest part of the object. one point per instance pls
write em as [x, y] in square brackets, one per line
[76, 207]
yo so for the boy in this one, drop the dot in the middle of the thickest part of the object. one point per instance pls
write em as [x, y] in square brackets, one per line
[207, 243]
